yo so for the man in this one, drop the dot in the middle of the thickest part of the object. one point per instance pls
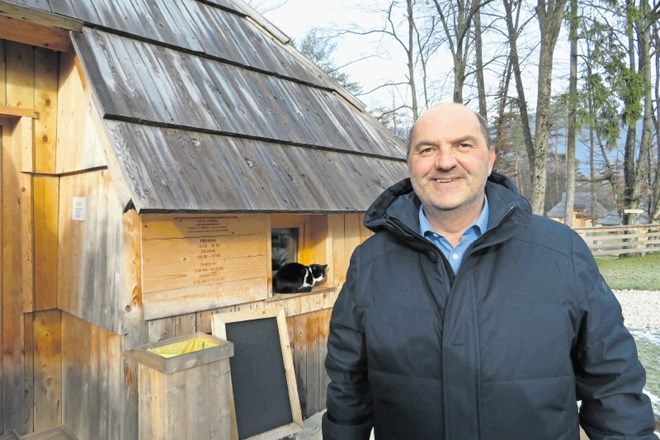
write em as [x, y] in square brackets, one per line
[466, 317]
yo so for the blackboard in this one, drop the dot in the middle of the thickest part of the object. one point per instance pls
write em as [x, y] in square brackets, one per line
[265, 395]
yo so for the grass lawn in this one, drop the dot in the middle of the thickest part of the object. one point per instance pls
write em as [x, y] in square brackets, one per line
[648, 348]
[638, 273]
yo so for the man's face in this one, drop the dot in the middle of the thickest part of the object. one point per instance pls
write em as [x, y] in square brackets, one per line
[449, 161]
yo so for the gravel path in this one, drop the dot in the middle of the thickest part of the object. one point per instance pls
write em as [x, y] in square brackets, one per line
[641, 309]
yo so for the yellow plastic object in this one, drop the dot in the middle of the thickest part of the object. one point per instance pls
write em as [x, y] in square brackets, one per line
[183, 347]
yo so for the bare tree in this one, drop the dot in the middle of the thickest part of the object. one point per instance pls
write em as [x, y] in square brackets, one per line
[479, 64]
[512, 10]
[572, 114]
[635, 169]
[655, 181]
[550, 14]
[456, 19]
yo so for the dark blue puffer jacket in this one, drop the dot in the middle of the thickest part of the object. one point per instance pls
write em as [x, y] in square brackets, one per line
[503, 351]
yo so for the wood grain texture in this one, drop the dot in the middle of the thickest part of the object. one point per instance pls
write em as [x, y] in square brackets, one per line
[13, 410]
[92, 365]
[26, 32]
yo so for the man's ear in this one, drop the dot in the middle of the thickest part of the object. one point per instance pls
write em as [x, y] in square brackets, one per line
[491, 159]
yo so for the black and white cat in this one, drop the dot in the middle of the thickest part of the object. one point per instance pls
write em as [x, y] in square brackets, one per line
[296, 277]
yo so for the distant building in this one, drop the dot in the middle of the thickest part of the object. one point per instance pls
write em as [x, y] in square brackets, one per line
[583, 212]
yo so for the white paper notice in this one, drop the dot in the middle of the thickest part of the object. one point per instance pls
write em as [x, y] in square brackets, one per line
[78, 212]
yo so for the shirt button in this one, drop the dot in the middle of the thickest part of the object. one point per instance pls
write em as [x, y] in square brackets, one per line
[454, 256]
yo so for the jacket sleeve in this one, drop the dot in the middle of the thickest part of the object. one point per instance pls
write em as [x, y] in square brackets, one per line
[610, 378]
[349, 413]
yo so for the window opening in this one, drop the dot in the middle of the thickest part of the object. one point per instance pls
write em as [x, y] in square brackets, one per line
[284, 246]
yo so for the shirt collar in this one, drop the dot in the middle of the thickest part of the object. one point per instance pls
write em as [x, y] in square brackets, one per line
[480, 224]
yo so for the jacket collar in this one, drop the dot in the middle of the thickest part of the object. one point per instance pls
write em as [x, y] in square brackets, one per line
[400, 205]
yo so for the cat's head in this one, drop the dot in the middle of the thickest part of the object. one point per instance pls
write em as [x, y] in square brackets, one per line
[318, 271]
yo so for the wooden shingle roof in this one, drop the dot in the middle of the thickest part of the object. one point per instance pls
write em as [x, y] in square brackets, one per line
[207, 110]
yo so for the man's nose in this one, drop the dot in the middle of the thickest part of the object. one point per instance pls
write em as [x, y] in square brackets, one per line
[445, 159]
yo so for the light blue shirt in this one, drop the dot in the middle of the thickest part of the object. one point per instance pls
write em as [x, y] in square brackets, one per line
[454, 254]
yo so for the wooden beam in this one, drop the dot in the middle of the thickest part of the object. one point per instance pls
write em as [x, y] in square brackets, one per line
[26, 32]
[6, 110]
[39, 16]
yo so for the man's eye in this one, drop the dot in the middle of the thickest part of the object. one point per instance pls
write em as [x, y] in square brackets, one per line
[465, 145]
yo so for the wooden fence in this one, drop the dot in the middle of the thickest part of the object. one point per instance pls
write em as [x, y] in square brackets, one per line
[621, 240]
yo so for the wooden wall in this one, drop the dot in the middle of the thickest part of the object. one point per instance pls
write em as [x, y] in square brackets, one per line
[29, 367]
[327, 238]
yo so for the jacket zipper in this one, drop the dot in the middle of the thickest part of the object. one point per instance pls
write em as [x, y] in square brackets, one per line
[437, 254]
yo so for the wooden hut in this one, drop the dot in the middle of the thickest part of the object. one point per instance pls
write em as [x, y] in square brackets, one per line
[155, 153]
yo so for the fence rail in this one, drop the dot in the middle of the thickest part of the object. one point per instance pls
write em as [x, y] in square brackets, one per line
[621, 240]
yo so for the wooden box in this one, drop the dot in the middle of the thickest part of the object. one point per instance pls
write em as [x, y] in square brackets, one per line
[184, 388]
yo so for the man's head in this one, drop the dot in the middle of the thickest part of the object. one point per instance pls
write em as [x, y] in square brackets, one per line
[450, 159]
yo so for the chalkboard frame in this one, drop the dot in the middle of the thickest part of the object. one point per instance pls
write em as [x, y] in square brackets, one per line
[219, 324]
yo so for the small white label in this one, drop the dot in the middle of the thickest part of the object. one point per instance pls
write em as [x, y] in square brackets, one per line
[78, 213]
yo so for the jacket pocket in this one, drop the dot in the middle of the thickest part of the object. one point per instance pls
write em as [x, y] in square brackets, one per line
[539, 409]
[403, 340]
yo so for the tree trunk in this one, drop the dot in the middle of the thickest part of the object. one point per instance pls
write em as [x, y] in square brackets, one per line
[479, 62]
[411, 59]
[635, 168]
[655, 212]
[572, 117]
[549, 24]
[512, 31]
[647, 125]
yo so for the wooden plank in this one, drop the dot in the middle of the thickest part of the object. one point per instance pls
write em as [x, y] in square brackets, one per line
[319, 243]
[353, 234]
[91, 361]
[6, 110]
[75, 343]
[39, 16]
[166, 226]
[300, 360]
[339, 266]
[129, 293]
[192, 299]
[151, 386]
[3, 80]
[176, 263]
[4, 138]
[47, 369]
[313, 364]
[20, 76]
[56, 433]
[80, 135]
[119, 415]
[12, 403]
[324, 331]
[33, 34]
[90, 225]
[159, 329]
[30, 379]
[46, 67]
[27, 243]
[46, 198]
[203, 321]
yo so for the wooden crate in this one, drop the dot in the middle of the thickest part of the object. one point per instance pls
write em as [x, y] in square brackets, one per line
[184, 388]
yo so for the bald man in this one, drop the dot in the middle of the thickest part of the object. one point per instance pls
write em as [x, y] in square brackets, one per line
[466, 317]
